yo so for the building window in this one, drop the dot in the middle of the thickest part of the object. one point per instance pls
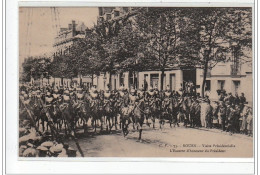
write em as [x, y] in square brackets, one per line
[221, 84]
[145, 85]
[131, 79]
[154, 80]
[125, 9]
[116, 13]
[164, 82]
[236, 86]
[108, 16]
[207, 85]
[172, 82]
[121, 79]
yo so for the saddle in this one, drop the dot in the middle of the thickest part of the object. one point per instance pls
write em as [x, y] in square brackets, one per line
[56, 96]
[79, 96]
[64, 106]
[121, 94]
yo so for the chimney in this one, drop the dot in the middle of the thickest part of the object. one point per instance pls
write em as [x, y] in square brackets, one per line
[100, 10]
[108, 16]
[88, 32]
[116, 13]
[70, 26]
[73, 28]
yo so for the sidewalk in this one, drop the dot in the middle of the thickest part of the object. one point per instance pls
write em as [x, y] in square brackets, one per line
[215, 130]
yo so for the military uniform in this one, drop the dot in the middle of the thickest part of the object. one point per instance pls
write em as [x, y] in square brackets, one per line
[107, 96]
[94, 96]
[132, 99]
[48, 99]
[79, 94]
[66, 97]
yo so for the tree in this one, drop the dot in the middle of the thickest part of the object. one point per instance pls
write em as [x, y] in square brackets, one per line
[160, 32]
[208, 35]
[62, 66]
[36, 67]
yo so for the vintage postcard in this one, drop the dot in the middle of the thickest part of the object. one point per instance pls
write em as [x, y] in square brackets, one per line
[136, 82]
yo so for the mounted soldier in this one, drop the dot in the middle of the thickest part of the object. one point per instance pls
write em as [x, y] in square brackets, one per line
[95, 106]
[141, 93]
[109, 108]
[93, 95]
[132, 97]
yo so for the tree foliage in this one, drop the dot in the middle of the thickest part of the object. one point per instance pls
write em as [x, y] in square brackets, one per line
[154, 39]
[36, 67]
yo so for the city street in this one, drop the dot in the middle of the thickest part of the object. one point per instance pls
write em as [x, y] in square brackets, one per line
[169, 142]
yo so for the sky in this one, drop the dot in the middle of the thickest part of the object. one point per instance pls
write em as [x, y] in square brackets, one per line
[37, 27]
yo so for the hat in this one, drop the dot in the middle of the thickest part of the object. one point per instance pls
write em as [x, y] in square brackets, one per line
[29, 152]
[42, 148]
[66, 92]
[247, 105]
[56, 90]
[63, 155]
[132, 91]
[47, 144]
[56, 148]
[23, 147]
[30, 145]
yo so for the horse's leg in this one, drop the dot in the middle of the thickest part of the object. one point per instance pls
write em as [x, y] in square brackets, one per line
[78, 121]
[120, 121]
[38, 122]
[47, 126]
[153, 120]
[133, 121]
[95, 128]
[43, 128]
[106, 122]
[146, 118]
[140, 131]
[170, 119]
[124, 127]
[85, 126]
[109, 123]
[113, 121]
[116, 121]
[66, 127]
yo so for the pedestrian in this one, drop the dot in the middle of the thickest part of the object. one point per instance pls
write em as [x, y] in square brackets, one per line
[222, 114]
[244, 113]
[237, 118]
[215, 109]
[208, 114]
[231, 121]
[242, 98]
[250, 122]
[236, 99]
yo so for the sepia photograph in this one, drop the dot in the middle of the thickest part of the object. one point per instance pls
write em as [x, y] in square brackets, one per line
[136, 82]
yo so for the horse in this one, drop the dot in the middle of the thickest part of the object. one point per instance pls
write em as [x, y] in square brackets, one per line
[195, 114]
[167, 108]
[137, 115]
[184, 110]
[148, 113]
[57, 114]
[175, 111]
[96, 110]
[109, 114]
[68, 117]
[155, 110]
[50, 112]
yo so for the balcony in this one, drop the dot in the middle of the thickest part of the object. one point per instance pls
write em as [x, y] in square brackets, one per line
[235, 70]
